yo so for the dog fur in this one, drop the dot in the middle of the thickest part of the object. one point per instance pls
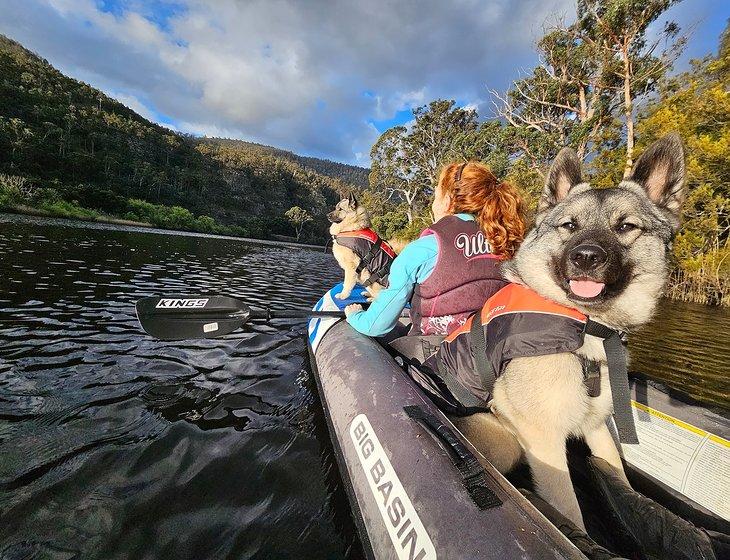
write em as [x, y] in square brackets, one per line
[539, 402]
[350, 215]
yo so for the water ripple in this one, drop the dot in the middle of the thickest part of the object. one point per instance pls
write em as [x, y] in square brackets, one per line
[115, 445]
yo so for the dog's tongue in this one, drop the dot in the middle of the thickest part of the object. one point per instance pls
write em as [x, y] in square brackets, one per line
[586, 288]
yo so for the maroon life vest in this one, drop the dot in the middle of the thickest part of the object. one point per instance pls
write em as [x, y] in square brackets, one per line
[466, 274]
[376, 255]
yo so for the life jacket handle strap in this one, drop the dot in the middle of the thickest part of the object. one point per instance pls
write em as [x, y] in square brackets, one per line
[478, 344]
[618, 378]
[473, 475]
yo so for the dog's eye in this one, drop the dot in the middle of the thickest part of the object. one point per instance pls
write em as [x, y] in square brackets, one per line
[626, 227]
[569, 225]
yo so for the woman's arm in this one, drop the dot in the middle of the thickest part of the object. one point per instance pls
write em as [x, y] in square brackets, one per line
[411, 267]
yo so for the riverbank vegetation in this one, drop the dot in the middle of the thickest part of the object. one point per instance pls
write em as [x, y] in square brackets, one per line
[605, 89]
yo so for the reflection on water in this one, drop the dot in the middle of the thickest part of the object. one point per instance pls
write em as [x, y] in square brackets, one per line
[114, 445]
[687, 347]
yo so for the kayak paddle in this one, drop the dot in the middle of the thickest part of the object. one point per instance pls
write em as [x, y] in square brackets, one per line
[183, 317]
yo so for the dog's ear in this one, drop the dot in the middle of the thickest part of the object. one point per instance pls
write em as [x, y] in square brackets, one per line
[564, 174]
[660, 171]
[352, 201]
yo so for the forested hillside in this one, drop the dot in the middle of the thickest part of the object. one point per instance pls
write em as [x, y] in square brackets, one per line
[351, 174]
[68, 149]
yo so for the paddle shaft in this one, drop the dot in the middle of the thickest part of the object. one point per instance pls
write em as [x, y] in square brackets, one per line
[269, 314]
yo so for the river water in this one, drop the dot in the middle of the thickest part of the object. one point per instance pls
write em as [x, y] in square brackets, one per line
[114, 445]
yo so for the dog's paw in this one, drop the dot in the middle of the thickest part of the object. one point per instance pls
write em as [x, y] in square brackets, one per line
[342, 295]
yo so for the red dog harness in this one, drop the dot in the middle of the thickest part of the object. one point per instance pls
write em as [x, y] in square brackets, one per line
[376, 255]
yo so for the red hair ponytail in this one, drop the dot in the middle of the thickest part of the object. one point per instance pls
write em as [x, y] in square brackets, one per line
[497, 207]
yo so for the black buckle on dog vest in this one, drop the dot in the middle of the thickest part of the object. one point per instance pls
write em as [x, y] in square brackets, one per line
[472, 473]
[591, 376]
[618, 378]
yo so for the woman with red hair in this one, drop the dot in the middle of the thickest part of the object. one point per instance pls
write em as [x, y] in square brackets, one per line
[454, 266]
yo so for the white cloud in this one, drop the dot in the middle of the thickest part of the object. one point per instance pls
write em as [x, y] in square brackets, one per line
[284, 72]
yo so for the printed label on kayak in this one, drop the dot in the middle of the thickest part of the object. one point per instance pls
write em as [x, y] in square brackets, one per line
[180, 303]
[409, 537]
[684, 457]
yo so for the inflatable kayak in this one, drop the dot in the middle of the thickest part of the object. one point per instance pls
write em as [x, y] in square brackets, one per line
[419, 490]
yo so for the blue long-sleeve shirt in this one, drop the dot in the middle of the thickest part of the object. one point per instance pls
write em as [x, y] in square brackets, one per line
[412, 266]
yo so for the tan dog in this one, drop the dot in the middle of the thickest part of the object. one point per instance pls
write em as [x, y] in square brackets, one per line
[605, 253]
[361, 253]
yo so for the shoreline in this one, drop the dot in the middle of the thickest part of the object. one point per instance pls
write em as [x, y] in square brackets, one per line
[15, 215]
[27, 214]
[23, 210]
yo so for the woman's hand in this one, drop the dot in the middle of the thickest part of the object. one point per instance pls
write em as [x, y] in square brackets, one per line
[352, 309]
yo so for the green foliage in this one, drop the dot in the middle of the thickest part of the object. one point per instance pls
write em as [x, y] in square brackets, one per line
[390, 224]
[176, 217]
[697, 106]
[66, 209]
[349, 174]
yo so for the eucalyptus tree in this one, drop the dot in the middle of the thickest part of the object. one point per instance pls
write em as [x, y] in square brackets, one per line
[406, 159]
[565, 100]
[584, 91]
[617, 32]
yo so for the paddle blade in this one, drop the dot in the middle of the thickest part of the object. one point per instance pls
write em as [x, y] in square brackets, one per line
[185, 317]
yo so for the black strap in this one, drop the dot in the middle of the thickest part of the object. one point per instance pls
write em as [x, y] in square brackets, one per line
[618, 378]
[367, 257]
[469, 401]
[478, 344]
[472, 473]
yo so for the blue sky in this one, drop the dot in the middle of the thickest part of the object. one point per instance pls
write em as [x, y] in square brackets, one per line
[318, 78]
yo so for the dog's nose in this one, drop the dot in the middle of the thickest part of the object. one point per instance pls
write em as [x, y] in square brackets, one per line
[588, 257]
